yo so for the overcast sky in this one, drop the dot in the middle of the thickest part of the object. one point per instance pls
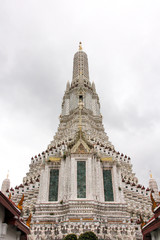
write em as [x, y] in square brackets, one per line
[37, 42]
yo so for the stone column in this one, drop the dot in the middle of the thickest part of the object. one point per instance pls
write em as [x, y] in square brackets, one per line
[101, 184]
[93, 162]
[89, 191]
[3, 231]
[61, 181]
[97, 181]
[120, 185]
[115, 183]
[73, 178]
[68, 178]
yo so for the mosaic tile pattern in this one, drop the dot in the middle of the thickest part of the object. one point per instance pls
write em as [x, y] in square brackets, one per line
[53, 188]
[81, 179]
[108, 189]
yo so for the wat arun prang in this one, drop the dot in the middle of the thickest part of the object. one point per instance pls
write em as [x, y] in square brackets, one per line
[80, 182]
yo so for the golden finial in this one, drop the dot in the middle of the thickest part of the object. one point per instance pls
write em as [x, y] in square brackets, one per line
[150, 174]
[29, 220]
[9, 196]
[21, 203]
[80, 46]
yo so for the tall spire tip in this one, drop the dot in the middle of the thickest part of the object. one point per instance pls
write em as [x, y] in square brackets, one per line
[150, 174]
[80, 46]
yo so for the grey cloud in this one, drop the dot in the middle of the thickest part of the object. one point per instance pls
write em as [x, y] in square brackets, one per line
[38, 40]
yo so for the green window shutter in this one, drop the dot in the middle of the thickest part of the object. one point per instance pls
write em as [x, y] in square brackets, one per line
[53, 187]
[81, 179]
[108, 189]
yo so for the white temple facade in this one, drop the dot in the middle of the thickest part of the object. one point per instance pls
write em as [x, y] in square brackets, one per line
[80, 182]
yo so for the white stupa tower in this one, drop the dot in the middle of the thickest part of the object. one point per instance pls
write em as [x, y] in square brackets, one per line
[5, 185]
[80, 182]
[154, 188]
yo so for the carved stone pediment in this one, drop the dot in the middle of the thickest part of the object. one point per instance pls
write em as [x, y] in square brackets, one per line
[80, 147]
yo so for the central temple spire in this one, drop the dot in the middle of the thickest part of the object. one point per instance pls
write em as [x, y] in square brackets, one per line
[80, 68]
[80, 106]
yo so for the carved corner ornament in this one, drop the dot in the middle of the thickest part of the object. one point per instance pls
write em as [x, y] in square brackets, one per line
[29, 220]
[142, 222]
[154, 204]
[21, 203]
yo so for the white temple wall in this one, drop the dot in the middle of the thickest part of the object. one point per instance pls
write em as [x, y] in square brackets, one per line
[94, 106]
[88, 101]
[7, 232]
[97, 109]
[94, 180]
[73, 103]
[101, 184]
[65, 110]
[155, 235]
[115, 183]
[44, 185]
[120, 186]
[12, 234]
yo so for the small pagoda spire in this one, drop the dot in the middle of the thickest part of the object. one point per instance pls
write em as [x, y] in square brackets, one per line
[8, 175]
[80, 67]
[154, 187]
[67, 86]
[93, 87]
[5, 184]
[154, 204]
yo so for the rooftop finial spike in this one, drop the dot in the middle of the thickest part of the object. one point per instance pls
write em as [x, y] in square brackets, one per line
[8, 174]
[150, 174]
[80, 46]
